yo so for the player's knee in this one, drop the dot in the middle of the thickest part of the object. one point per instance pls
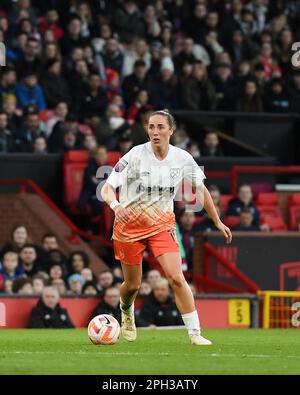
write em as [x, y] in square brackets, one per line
[176, 280]
[133, 287]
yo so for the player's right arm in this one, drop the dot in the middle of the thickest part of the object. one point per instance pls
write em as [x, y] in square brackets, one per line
[108, 194]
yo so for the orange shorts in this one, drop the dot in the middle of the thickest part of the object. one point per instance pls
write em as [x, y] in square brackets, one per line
[132, 253]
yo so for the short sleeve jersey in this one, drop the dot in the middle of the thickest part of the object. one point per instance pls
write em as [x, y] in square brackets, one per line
[148, 187]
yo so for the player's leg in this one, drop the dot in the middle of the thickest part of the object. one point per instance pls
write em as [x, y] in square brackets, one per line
[128, 291]
[130, 255]
[171, 265]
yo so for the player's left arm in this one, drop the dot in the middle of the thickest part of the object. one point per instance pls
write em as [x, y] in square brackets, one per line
[210, 208]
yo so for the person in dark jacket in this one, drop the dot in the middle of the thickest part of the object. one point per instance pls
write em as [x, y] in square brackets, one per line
[109, 304]
[246, 222]
[244, 200]
[6, 137]
[48, 313]
[276, 98]
[90, 182]
[197, 92]
[159, 308]
[54, 86]
[211, 145]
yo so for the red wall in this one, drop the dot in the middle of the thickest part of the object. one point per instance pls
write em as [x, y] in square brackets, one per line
[14, 312]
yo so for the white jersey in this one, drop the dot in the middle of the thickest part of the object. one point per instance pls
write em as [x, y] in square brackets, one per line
[148, 187]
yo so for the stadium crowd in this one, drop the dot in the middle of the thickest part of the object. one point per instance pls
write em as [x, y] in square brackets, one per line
[81, 73]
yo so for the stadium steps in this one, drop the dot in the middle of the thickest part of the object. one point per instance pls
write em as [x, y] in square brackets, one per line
[30, 210]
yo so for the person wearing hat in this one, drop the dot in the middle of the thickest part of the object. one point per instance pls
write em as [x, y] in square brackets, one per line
[48, 313]
[166, 92]
[75, 282]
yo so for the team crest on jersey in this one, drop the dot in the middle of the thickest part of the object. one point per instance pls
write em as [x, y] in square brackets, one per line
[175, 172]
[120, 166]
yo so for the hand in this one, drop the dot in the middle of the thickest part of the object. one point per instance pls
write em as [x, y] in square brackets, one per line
[121, 213]
[225, 230]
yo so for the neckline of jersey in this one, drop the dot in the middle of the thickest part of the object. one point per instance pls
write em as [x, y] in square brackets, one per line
[159, 160]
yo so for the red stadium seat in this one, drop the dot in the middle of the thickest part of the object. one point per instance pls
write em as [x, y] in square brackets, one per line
[267, 199]
[275, 223]
[75, 163]
[113, 157]
[294, 199]
[269, 210]
[224, 201]
[294, 217]
[231, 220]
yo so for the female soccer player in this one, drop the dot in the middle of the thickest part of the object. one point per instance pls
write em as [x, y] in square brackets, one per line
[149, 176]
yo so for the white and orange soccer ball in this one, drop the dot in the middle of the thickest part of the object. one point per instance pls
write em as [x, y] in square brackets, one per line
[104, 329]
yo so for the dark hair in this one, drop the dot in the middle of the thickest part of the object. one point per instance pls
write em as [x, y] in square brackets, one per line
[83, 255]
[89, 284]
[165, 113]
[18, 283]
[28, 245]
[108, 288]
[46, 235]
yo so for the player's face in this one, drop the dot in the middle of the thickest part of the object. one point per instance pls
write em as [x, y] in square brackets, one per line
[159, 130]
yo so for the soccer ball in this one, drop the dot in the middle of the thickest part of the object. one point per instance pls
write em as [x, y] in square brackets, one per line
[104, 329]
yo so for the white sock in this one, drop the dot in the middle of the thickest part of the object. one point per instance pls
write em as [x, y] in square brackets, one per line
[192, 323]
[127, 309]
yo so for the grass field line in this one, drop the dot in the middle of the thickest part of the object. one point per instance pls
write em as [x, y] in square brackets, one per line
[222, 355]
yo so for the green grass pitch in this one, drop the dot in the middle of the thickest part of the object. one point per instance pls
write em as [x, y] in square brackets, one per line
[253, 351]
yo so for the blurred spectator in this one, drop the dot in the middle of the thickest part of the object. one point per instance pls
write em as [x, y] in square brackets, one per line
[104, 281]
[186, 225]
[72, 37]
[65, 135]
[225, 87]
[14, 118]
[180, 138]
[29, 61]
[29, 260]
[6, 137]
[56, 272]
[32, 129]
[87, 274]
[75, 282]
[60, 113]
[198, 93]
[19, 237]
[145, 289]
[165, 87]
[49, 242]
[276, 98]
[152, 276]
[159, 308]
[110, 58]
[141, 100]
[135, 82]
[265, 57]
[48, 313]
[30, 92]
[93, 100]
[78, 261]
[7, 287]
[38, 284]
[51, 22]
[242, 201]
[22, 286]
[90, 182]
[60, 285]
[55, 88]
[251, 100]
[90, 144]
[246, 221]
[90, 289]
[211, 145]
[40, 145]
[193, 149]
[109, 304]
[8, 81]
[138, 130]
[138, 51]
[10, 269]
